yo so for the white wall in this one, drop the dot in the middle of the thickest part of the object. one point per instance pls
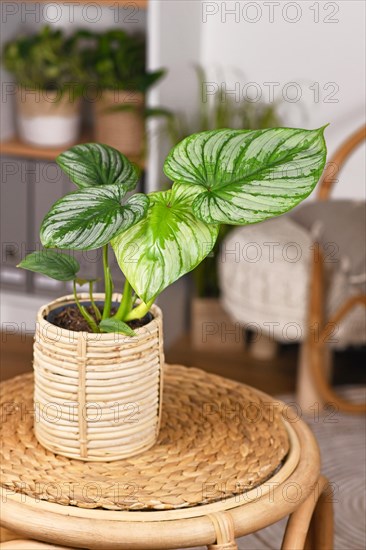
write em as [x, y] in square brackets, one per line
[174, 31]
[330, 53]
[319, 46]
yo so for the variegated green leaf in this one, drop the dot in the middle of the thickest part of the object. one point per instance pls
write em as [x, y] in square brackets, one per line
[91, 217]
[57, 265]
[244, 176]
[94, 164]
[166, 244]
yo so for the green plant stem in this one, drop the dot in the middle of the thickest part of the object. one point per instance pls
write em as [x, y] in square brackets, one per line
[139, 311]
[126, 302]
[107, 285]
[94, 305]
[88, 318]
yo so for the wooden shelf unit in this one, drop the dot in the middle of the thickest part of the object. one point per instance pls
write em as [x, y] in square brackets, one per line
[16, 148]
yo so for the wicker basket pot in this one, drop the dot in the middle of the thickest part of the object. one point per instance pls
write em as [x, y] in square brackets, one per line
[47, 119]
[122, 129]
[97, 397]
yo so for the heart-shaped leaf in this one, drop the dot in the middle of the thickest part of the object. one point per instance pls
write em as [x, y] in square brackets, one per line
[113, 325]
[56, 265]
[244, 176]
[166, 244]
[94, 164]
[90, 218]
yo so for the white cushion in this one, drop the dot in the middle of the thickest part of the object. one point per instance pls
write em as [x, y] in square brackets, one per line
[264, 274]
[264, 271]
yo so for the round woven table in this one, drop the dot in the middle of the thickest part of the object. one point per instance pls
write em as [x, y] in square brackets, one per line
[229, 461]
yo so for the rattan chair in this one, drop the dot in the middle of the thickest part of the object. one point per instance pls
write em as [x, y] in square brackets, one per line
[313, 384]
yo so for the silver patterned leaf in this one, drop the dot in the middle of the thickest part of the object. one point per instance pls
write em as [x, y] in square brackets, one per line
[246, 176]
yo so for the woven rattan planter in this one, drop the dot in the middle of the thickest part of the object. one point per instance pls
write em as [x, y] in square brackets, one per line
[97, 396]
[122, 129]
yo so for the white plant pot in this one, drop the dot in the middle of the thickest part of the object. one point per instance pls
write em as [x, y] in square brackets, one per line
[47, 121]
[49, 131]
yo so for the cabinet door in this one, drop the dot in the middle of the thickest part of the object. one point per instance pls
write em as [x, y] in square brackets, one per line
[13, 224]
[46, 182]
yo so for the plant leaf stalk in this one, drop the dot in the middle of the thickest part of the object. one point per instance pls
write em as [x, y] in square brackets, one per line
[94, 305]
[127, 302]
[140, 311]
[108, 284]
[88, 318]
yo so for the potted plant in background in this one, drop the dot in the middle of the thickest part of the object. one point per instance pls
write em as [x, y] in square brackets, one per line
[106, 351]
[211, 327]
[48, 71]
[115, 63]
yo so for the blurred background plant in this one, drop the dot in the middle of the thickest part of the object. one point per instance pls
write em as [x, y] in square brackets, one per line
[46, 60]
[221, 109]
[107, 68]
[115, 64]
[115, 59]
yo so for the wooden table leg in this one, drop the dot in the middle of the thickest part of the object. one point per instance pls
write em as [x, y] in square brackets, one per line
[225, 535]
[311, 525]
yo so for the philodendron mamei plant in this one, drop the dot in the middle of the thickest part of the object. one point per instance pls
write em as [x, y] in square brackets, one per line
[234, 177]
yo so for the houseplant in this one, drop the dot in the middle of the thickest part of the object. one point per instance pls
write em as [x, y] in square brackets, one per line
[211, 327]
[115, 62]
[48, 72]
[220, 177]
